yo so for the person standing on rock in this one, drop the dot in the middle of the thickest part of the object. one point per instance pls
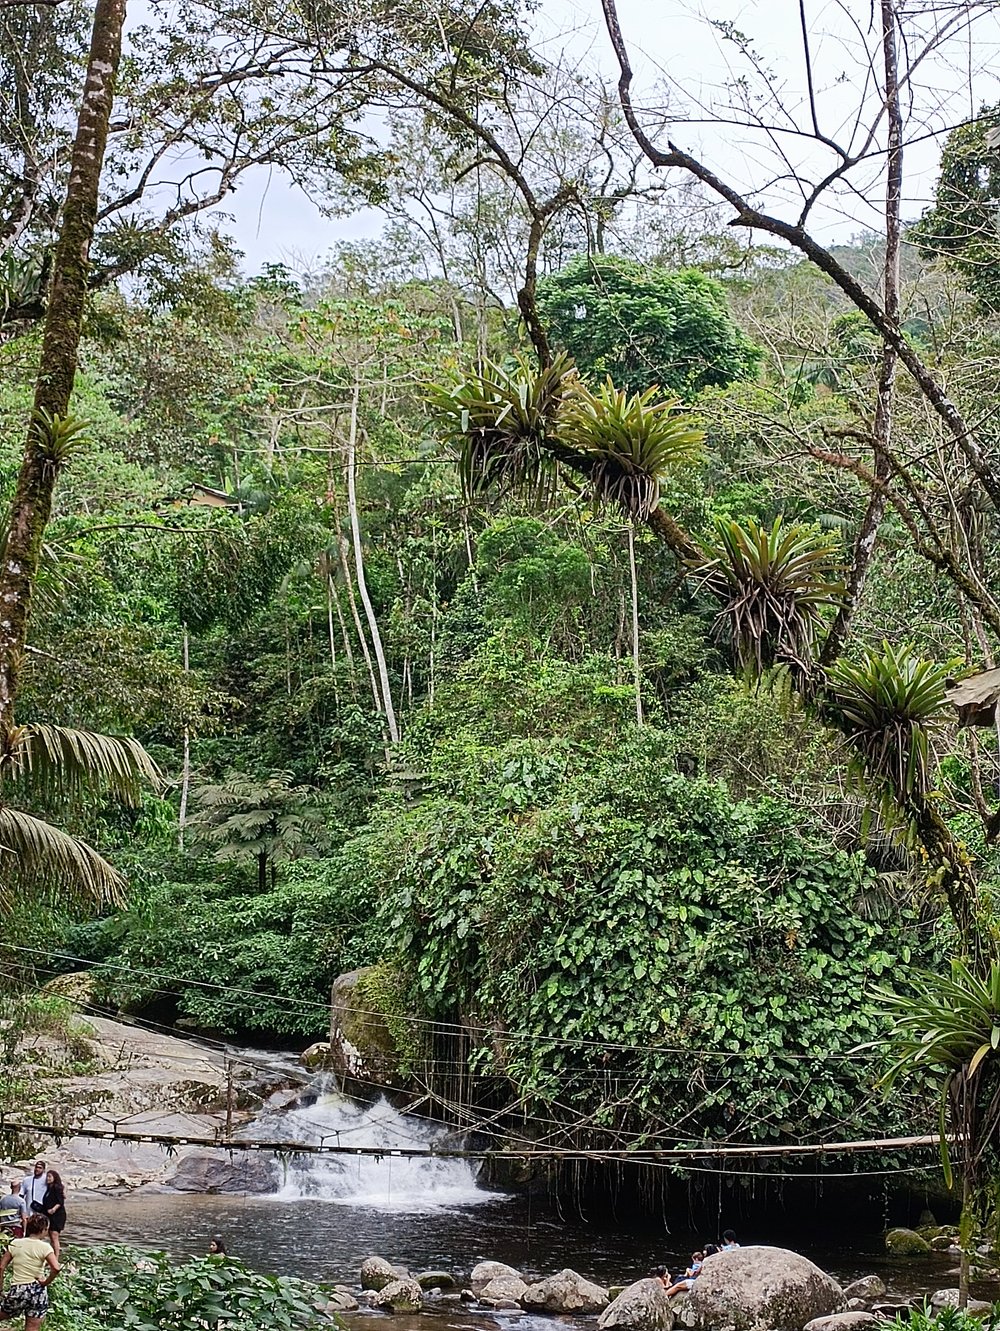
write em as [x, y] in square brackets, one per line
[54, 1207]
[33, 1188]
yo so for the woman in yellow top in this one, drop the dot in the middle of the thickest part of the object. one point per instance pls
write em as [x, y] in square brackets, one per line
[32, 1266]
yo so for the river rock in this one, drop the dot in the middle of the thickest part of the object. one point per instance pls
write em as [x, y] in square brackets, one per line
[338, 1301]
[376, 1273]
[643, 1306]
[503, 1292]
[484, 1272]
[849, 1321]
[948, 1298]
[435, 1280]
[683, 1313]
[213, 1172]
[755, 1288]
[363, 1038]
[868, 1288]
[399, 1296]
[565, 1292]
[318, 1056]
[906, 1243]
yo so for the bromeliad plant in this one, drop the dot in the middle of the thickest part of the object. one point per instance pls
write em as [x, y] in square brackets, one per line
[514, 429]
[777, 585]
[888, 708]
[948, 1029]
[501, 422]
[627, 443]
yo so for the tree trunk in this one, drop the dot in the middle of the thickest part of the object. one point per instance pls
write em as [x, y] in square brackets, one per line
[186, 767]
[358, 626]
[966, 1228]
[864, 544]
[262, 872]
[44, 451]
[636, 664]
[359, 568]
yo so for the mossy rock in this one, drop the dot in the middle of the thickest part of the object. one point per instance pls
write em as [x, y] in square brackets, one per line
[372, 1034]
[906, 1243]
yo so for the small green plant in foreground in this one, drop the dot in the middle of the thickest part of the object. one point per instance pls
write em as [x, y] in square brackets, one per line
[947, 1319]
[121, 1289]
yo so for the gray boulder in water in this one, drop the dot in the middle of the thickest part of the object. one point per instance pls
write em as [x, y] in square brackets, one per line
[503, 1292]
[376, 1273]
[868, 1288]
[486, 1272]
[761, 1288]
[208, 1171]
[565, 1292]
[399, 1296]
[643, 1306]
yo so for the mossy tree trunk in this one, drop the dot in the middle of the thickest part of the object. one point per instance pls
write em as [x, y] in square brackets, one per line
[44, 448]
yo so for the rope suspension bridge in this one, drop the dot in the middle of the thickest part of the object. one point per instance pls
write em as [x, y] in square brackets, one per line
[677, 1154]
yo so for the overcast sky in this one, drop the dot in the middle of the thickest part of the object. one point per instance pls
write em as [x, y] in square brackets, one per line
[682, 60]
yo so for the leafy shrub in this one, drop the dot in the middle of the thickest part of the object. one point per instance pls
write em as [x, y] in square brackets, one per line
[633, 941]
[119, 1289]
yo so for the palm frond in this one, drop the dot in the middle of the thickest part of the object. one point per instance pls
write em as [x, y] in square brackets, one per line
[776, 585]
[58, 760]
[627, 443]
[500, 421]
[39, 860]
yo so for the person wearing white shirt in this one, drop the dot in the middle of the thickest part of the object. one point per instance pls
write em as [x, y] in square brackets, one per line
[33, 1187]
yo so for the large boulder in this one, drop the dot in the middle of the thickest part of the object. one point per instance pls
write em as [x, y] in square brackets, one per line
[376, 1273]
[906, 1243]
[643, 1306]
[235, 1171]
[755, 1288]
[565, 1292]
[868, 1288]
[503, 1292]
[399, 1296]
[363, 1036]
[486, 1272]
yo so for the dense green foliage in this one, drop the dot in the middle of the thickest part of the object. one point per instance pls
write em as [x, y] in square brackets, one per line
[505, 673]
[644, 325]
[121, 1289]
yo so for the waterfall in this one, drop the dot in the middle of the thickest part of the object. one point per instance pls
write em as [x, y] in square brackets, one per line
[387, 1183]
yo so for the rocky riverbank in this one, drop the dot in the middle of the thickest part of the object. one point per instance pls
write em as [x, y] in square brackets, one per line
[102, 1075]
[753, 1288]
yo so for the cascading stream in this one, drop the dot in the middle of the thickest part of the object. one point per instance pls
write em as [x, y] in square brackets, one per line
[386, 1183]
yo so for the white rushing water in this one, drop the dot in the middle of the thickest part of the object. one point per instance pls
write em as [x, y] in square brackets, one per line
[386, 1183]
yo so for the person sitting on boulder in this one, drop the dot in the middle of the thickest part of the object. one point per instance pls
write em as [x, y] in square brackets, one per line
[729, 1240]
[711, 1249]
[690, 1276]
[661, 1274]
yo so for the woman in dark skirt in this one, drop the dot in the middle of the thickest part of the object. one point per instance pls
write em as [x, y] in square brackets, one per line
[54, 1206]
